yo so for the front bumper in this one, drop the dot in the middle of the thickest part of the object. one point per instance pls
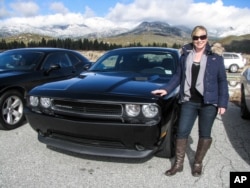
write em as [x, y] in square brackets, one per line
[96, 138]
[95, 150]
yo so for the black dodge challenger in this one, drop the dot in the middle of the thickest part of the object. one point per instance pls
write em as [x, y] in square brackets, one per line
[109, 110]
[21, 69]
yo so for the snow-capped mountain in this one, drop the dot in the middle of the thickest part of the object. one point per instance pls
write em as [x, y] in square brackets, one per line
[159, 28]
[96, 27]
[99, 27]
[241, 30]
[59, 31]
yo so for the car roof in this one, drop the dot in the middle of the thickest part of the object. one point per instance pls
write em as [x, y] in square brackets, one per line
[38, 49]
[145, 49]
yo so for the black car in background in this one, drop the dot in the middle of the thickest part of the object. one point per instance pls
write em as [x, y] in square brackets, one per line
[22, 69]
[245, 93]
[109, 110]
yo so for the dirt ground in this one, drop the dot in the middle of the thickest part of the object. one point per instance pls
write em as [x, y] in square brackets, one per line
[92, 55]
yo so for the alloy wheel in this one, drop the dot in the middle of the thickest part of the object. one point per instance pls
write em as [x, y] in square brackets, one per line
[12, 110]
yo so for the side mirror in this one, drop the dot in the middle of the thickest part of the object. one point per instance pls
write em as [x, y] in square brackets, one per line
[87, 66]
[52, 68]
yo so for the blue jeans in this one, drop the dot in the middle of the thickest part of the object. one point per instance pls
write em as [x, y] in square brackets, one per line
[206, 114]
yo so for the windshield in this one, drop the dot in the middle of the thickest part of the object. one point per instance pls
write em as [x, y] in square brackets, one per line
[160, 63]
[19, 60]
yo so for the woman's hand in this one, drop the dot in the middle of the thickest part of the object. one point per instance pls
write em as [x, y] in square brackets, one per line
[160, 92]
[221, 111]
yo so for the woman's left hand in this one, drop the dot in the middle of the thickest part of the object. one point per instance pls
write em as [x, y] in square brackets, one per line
[221, 111]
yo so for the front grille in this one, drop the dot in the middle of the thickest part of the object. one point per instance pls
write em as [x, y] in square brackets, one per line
[81, 108]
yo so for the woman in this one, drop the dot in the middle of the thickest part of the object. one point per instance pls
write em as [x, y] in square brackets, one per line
[203, 93]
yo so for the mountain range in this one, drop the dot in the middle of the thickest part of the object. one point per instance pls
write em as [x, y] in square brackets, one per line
[101, 28]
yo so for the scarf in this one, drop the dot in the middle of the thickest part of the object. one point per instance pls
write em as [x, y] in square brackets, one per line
[199, 83]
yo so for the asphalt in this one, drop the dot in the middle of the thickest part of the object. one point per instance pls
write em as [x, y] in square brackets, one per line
[27, 163]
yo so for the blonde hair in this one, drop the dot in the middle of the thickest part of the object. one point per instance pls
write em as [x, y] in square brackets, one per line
[197, 28]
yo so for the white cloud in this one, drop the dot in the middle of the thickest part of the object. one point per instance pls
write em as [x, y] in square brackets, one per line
[54, 19]
[89, 12]
[141, 10]
[217, 15]
[26, 9]
[180, 12]
[175, 12]
[58, 7]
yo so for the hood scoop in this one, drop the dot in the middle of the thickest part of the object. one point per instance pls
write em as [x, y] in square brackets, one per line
[141, 78]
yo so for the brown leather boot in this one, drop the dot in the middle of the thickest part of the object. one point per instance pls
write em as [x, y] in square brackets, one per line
[181, 145]
[202, 147]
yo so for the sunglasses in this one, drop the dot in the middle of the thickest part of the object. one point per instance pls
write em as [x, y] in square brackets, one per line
[202, 37]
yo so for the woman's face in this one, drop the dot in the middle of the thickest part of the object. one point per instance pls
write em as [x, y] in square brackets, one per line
[200, 39]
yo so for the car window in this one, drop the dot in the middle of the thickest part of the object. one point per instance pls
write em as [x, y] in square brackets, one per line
[109, 63]
[73, 59]
[19, 60]
[231, 56]
[227, 56]
[57, 59]
[160, 63]
[64, 61]
[236, 56]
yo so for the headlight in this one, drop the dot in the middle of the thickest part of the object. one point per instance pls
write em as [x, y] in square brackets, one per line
[150, 111]
[132, 110]
[45, 102]
[34, 101]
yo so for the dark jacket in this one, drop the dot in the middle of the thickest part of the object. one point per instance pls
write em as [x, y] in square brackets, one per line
[215, 79]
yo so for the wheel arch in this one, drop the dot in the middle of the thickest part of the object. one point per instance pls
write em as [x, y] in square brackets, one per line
[14, 88]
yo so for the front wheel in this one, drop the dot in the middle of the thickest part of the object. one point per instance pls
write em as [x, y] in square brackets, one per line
[12, 110]
[168, 145]
[167, 148]
[245, 114]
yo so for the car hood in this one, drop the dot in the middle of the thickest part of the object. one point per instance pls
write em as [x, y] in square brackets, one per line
[100, 84]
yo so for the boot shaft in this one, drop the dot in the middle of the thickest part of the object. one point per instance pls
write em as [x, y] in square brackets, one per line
[202, 148]
[181, 145]
[180, 150]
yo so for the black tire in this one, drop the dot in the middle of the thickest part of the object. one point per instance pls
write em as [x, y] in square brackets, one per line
[233, 68]
[167, 148]
[12, 110]
[244, 112]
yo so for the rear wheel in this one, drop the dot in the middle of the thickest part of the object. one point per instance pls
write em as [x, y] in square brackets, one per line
[233, 68]
[12, 110]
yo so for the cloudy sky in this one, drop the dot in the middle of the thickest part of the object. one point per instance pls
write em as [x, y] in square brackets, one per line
[124, 13]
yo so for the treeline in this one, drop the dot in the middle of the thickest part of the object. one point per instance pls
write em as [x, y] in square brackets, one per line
[239, 46]
[80, 44]
[86, 44]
